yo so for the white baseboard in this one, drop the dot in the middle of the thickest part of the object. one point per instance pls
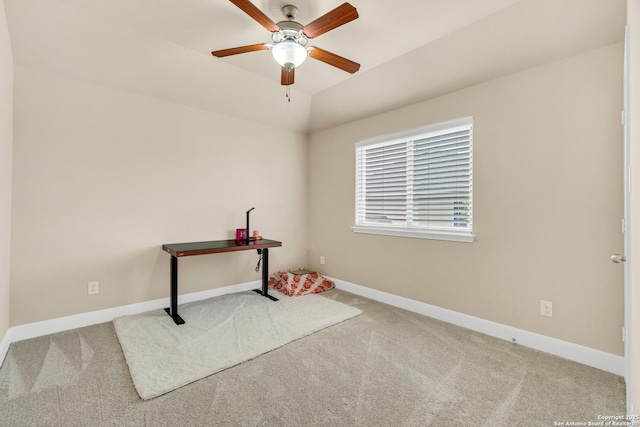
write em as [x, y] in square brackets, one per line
[46, 327]
[575, 352]
[585, 355]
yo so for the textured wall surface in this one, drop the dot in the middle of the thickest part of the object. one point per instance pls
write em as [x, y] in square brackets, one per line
[6, 126]
[103, 177]
[547, 204]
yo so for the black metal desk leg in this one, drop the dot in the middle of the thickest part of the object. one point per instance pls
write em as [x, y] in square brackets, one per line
[265, 276]
[173, 309]
[265, 272]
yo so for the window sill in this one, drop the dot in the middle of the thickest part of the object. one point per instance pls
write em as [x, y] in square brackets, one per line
[418, 234]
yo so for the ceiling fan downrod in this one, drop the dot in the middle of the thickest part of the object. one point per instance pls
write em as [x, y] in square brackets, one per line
[290, 12]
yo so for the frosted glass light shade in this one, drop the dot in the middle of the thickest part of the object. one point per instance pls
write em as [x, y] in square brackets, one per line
[289, 54]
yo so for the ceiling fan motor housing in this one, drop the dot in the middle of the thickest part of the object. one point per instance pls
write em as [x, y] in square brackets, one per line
[289, 30]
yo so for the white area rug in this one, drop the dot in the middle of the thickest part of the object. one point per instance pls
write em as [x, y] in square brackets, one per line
[219, 333]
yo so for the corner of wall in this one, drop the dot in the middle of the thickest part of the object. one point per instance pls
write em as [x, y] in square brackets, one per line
[633, 376]
[6, 172]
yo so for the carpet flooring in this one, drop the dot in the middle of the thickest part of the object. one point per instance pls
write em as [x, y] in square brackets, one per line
[218, 333]
[386, 367]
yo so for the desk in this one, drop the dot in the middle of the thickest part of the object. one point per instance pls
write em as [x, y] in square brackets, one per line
[217, 246]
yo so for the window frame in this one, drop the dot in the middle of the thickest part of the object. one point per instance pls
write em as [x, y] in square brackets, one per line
[430, 232]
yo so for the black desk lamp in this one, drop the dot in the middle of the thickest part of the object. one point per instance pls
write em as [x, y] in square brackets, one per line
[248, 224]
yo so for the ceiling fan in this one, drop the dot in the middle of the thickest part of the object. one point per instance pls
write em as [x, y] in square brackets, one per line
[290, 38]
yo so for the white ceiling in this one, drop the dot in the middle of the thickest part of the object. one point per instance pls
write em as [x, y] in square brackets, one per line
[409, 50]
[381, 34]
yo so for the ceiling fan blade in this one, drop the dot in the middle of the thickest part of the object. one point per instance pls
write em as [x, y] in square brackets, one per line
[287, 76]
[251, 10]
[238, 50]
[331, 20]
[335, 60]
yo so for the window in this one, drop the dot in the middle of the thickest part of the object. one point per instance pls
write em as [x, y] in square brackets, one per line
[417, 183]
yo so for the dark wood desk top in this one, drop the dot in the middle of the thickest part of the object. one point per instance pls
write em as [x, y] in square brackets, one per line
[217, 246]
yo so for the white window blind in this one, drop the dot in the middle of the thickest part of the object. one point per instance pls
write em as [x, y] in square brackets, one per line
[417, 183]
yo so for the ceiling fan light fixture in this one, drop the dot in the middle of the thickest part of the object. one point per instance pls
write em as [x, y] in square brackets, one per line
[290, 38]
[289, 54]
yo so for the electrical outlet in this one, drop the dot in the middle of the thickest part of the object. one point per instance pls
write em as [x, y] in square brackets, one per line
[546, 308]
[322, 259]
[93, 288]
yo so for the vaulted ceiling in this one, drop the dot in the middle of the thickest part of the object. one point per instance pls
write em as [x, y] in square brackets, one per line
[410, 50]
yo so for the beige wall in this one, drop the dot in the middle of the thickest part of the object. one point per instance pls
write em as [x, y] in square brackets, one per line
[6, 126]
[633, 20]
[547, 204]
[102, 178]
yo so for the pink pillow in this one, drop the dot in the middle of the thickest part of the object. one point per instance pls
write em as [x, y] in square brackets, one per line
[300, 284]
